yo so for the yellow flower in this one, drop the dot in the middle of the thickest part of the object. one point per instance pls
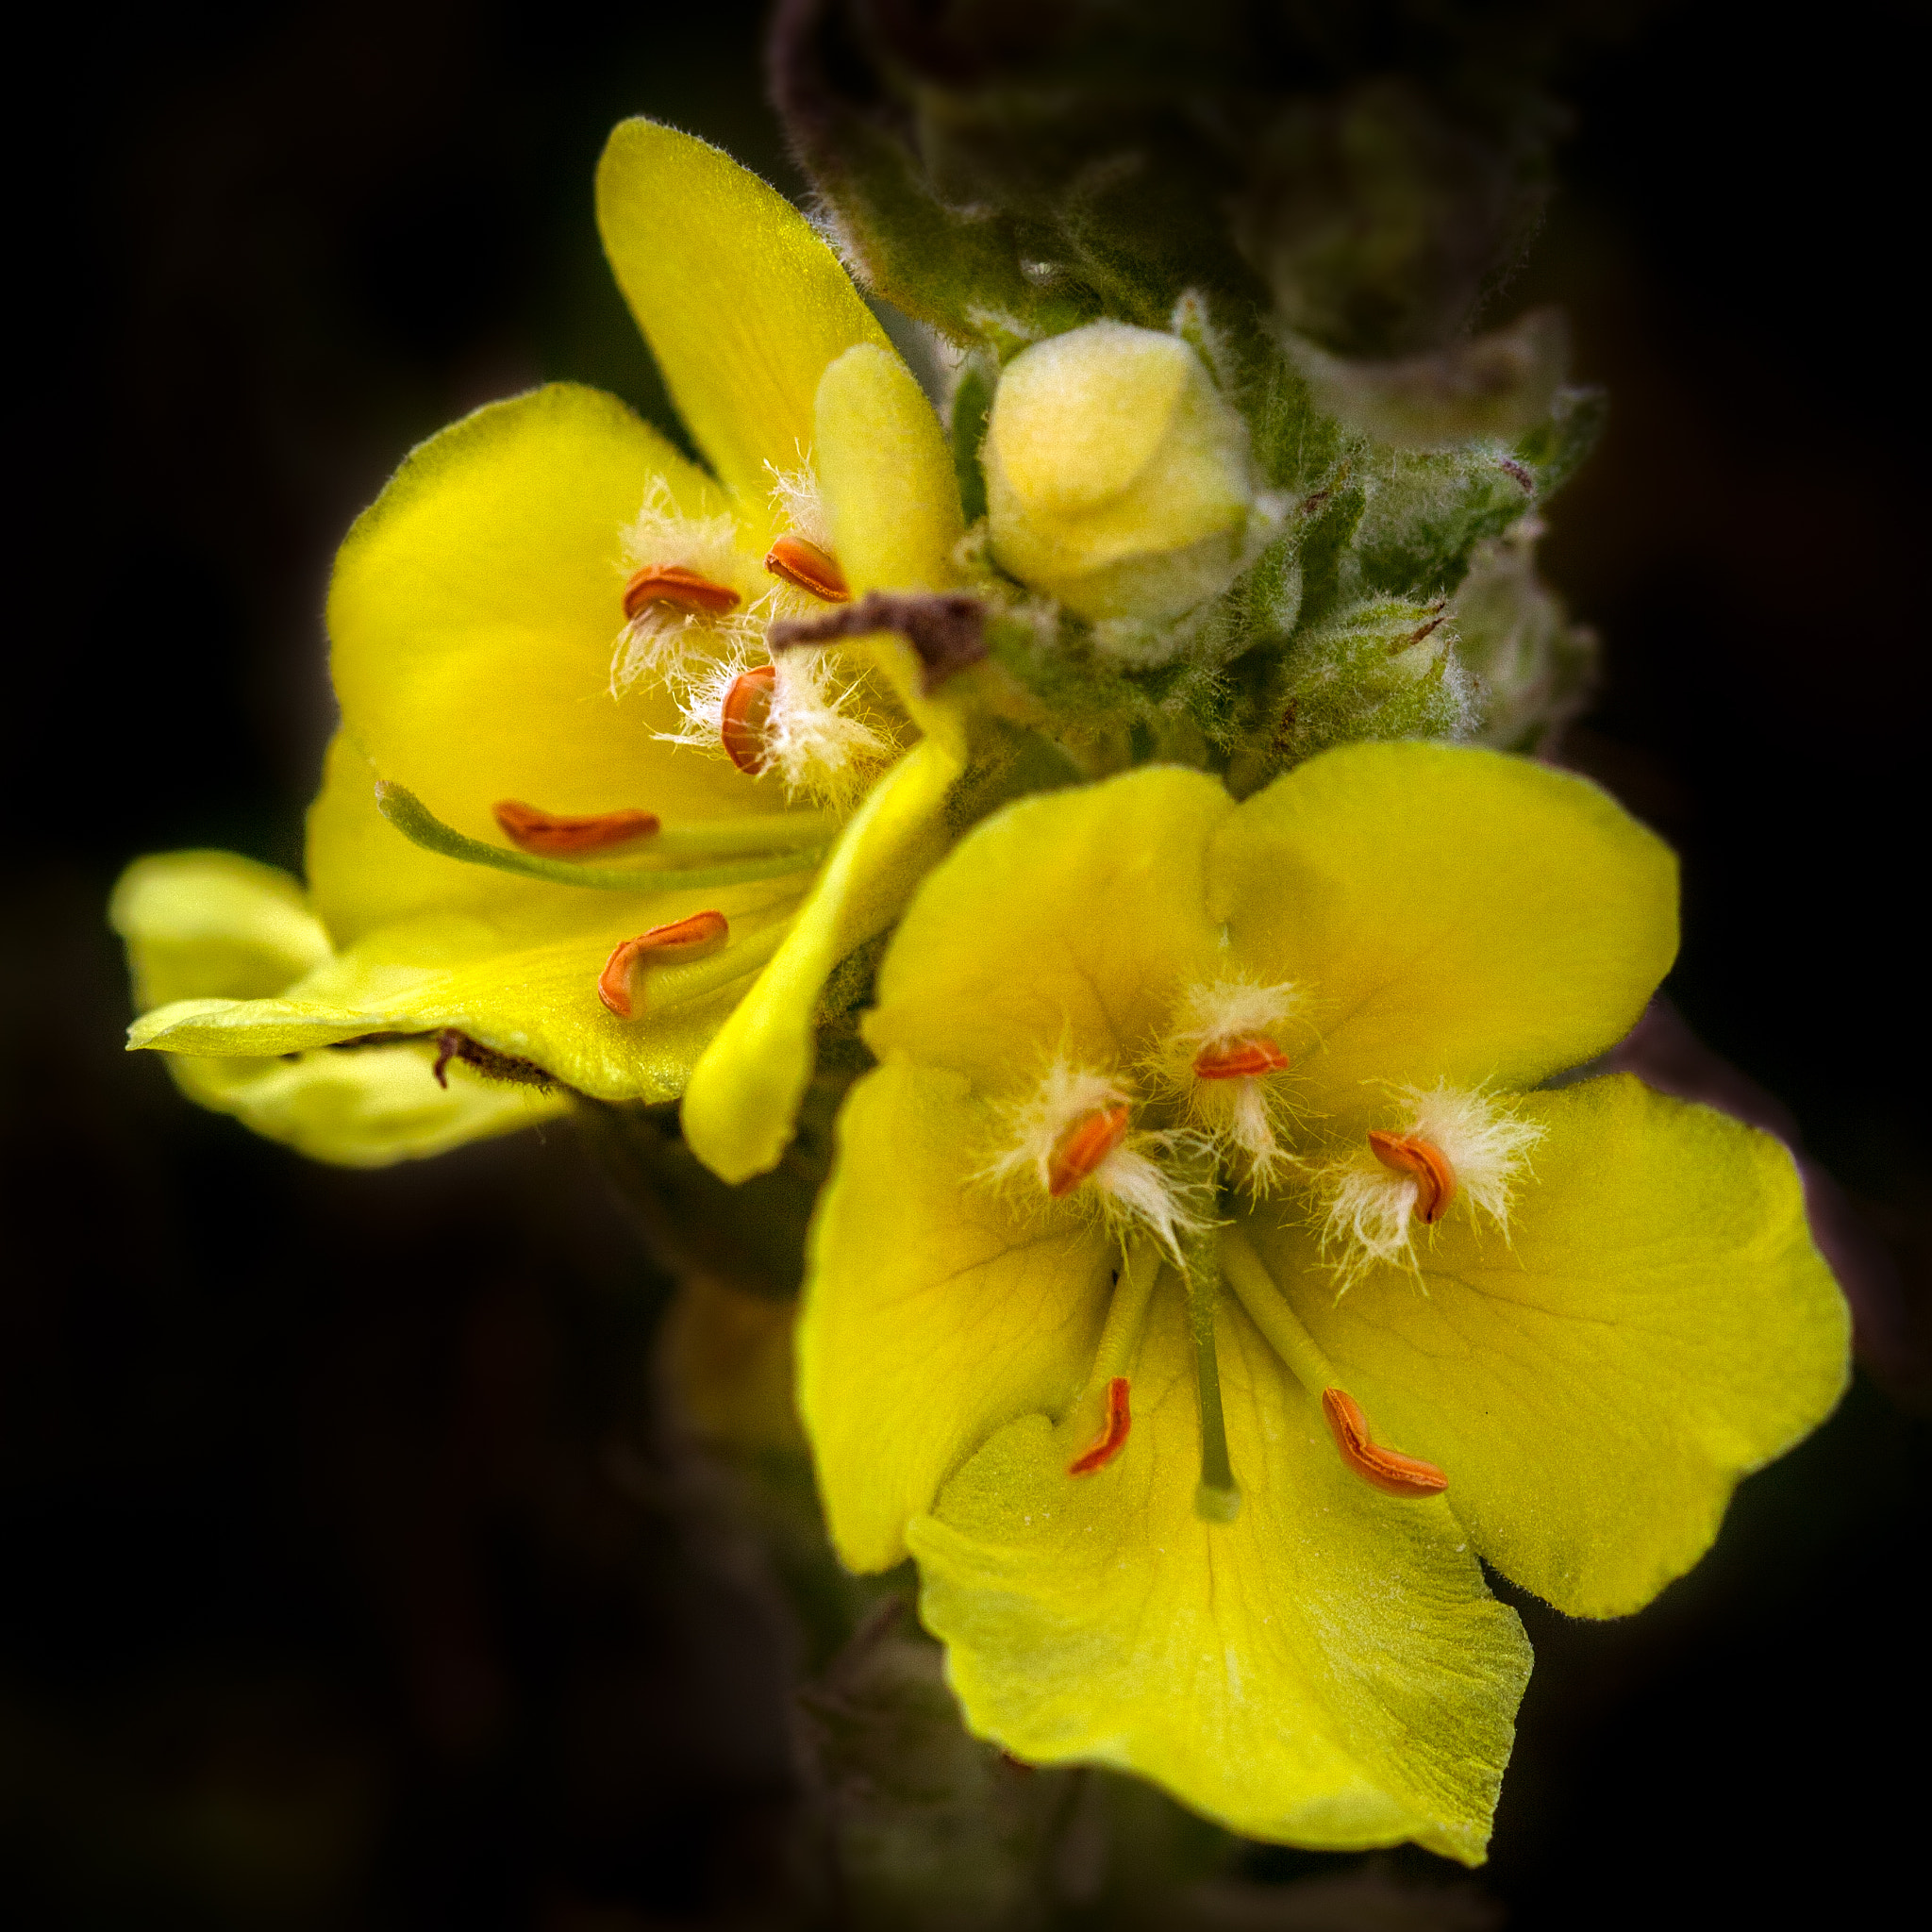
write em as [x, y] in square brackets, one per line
[578, 811]
[1141, 1047]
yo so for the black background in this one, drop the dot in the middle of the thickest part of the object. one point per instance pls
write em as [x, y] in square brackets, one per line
[339, 1589]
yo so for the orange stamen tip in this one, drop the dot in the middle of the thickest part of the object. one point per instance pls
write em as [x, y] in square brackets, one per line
[1084, 1146]
[670, 583]
[1387, 1470]
[533, 830]
[1113, 1437]
[807, 568]
[1425, 1164]
[663, 946]
[743, 718]
[1240, 1059]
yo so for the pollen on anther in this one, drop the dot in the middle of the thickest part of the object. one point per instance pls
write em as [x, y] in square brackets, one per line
[1425, 1164]
[1082, 1148]
[672, 584]
[806, 567]
[1113, 1434]
[743, 716]
[1387, 1470]
[533, 830]
[1239, 1060]
[673, 943]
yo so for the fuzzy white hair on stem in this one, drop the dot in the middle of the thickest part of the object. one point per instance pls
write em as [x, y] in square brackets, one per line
[1369, 1211]
[801, 502]
[661, 638]
[821, 737]
[1129, 1188]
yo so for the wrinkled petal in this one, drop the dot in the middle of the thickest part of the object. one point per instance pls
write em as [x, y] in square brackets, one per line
[1455, 914]
[932, 1314]
[213, 925]
[1066, 923]
[1329, 1670]
[368, 1106]
[742, 305]
[522, 982]
[1656, 1325]
[473, 616]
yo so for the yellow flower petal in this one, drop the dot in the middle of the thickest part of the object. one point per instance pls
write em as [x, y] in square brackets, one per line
[744, 1094]
[932, 1315]
[1656, 1325]
[212, 924]
[1326, 1671]
[1455, 914]
[368, 1106]
[742, 305]
[474, 612]
[1066, 923]
[887, 474]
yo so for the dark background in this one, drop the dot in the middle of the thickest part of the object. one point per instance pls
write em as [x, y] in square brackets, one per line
[342, 1583]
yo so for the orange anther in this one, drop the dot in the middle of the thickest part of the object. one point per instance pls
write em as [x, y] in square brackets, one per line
[806, 567]
[670, 583]
[663, 946]
[536, 831]
[1083, 1147]
[1389, 1470]
[1424, 1163]
[1239, 1060]
[1114, 1435]
[742, 717]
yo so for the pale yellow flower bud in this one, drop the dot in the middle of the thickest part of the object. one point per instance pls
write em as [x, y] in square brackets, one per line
[1117, 478]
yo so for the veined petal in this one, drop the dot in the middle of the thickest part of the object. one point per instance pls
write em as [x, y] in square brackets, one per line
[742, 305]
[1066, 923]
[932, 1314]
[473, 612]
[1656, 1326]
[367, 1107]
[1455, 913]
[1326, 1671]
[744, 1094]
[522, 982]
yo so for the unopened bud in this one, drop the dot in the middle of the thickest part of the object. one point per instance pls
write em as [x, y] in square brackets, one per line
[1117, 478]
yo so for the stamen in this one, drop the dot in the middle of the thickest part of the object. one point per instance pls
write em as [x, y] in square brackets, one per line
[805, 566]
[535, 830]
[1387, 1470]
[1083, 1147]
[1113, 1437]
[1240, 1059]
[1425, 1164]
[744, 715]
[771, 834]
[681, 939]
[685, 589]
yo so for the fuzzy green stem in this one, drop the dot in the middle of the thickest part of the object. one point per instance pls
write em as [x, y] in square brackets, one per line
[1217, 1497]
[421, 827]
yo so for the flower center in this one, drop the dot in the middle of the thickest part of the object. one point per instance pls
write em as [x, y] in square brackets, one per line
[1423, 1163]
